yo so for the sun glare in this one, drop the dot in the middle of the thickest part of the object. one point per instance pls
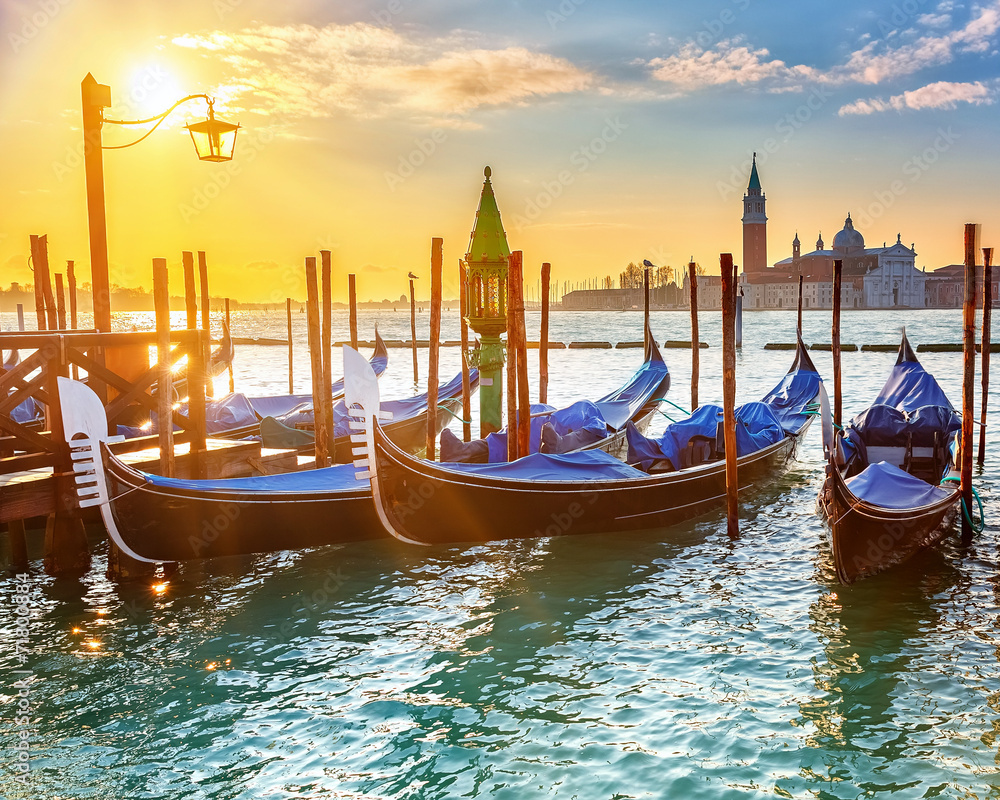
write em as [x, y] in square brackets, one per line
[151, 89]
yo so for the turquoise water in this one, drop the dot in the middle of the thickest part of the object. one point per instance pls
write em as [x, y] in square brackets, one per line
[672, 663]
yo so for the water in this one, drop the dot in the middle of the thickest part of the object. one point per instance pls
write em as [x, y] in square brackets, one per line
[672, 663]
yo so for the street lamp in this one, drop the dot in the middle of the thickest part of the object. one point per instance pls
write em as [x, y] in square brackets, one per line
[214, 141]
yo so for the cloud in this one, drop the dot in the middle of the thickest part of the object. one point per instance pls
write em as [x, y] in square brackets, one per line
[374, 72]
[731, 62]
[942, 94]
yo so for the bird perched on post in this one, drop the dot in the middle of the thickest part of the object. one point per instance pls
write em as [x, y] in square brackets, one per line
[646, 262]
[411, 276]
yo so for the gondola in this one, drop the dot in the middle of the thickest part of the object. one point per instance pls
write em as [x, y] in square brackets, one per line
[583, 425]
[165, 519]
[423, 502]
[891, 486]
[156, 519]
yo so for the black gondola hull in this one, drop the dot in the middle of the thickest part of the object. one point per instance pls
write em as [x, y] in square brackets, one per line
[868, 539]
[178, 525]
[435, 505]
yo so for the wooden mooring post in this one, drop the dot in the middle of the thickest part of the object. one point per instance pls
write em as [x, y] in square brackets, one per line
[327, 345]
[543, 337]
[729, 392]
[190, 293]
[645, 310]
[798, 326]
[463, 290]
[985, 378]
[519, 337]
[316, 361]
[695, 343]
[352, 298]
[511, 367]
[164, 387]
[968, 375]
[435, 344]
[413, 333]
[60, 302]
[229, 327]
[288, 314]
[838, 270]
[206, 319]
[45, 305]
[71, 283]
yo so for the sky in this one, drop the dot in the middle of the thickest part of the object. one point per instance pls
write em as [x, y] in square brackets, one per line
[615, 132]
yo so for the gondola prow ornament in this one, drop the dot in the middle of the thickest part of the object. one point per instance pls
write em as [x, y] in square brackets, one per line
[363, 401]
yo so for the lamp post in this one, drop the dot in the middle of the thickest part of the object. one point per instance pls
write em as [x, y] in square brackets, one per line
[486, 304]
[213, 139]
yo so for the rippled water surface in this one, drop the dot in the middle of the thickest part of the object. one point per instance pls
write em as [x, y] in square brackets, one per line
[670, 663]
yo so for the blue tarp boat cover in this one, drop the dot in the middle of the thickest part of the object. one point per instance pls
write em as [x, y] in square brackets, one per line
[756, 428]
[672, 445]
[26, 411]
[284, 404]
[613, 411]
[887, 486]
[910, 386]
[338, 478]
[580, 416]
[408, 408]
[789, 400]
[587, 465]
[225, 414]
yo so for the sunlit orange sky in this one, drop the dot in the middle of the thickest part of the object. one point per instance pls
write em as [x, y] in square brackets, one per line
[615, 131]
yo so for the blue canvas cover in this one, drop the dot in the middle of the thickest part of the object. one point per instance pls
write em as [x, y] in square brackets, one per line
[279, 405]
[593, 465]
[756, 428]
[407, 408]
[26, 411]
[225, 414]
[672, 444]
[497, 442]
[650, 382]
[887, 486]
[910, 386]
[789, 400]
[338, 478]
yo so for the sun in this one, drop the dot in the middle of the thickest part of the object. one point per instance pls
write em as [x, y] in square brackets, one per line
[150, 89]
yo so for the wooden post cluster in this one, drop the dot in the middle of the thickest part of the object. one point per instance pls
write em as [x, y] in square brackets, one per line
[326, 344]
[695, 342]
[45, 306]
[316, 361]
[838, 271]
[969, 373]
[543, 338]
[435, 345]
[987, 313]
[463, 290]
[729, 391]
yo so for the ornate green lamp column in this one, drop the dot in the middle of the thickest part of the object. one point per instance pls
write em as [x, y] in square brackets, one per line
[486, 309]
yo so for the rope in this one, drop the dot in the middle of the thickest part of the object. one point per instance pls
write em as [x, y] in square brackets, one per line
[965, 510]
[670, 402]
[463, 421]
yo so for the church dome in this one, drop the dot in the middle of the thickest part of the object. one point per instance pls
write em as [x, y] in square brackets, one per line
[849, 239]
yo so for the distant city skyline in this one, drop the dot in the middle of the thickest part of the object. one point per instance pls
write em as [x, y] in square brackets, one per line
[615, 132]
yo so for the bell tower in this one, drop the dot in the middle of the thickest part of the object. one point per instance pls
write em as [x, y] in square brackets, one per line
[754, 225]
